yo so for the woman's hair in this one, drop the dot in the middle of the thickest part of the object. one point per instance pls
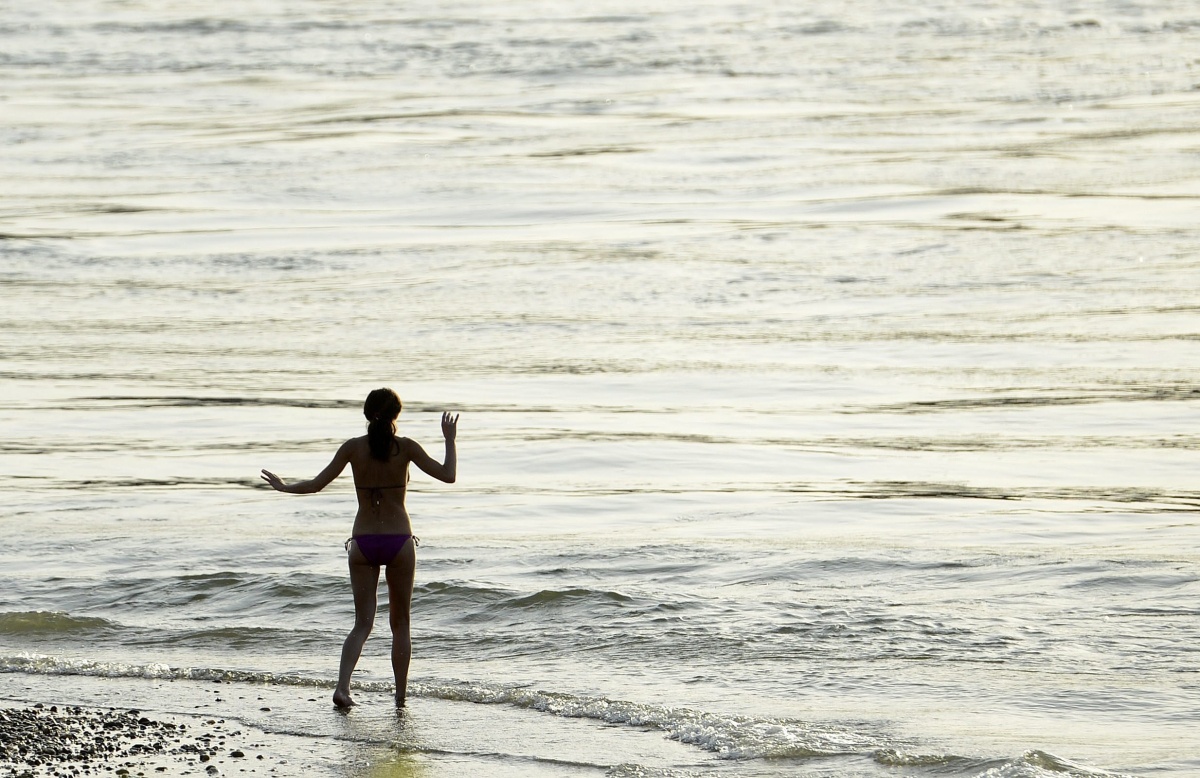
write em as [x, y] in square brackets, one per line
[381, 409]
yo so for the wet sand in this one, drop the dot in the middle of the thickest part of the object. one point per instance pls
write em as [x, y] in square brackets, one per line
[298, 732]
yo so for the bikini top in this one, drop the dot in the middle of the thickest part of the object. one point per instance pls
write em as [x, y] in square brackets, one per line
[376, 492]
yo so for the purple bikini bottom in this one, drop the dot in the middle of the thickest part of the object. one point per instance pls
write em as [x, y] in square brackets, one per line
[380, 549]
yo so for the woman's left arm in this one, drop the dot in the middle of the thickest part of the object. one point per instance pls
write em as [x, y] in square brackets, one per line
[446, 471]
[323, 479]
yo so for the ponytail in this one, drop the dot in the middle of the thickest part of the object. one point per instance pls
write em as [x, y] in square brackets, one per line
[381, 409]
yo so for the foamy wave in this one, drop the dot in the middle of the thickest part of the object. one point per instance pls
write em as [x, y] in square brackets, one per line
[35, 664]
[1031, 764]
[1039, 764]
[640, 771]
[731, 737]
[893, 758]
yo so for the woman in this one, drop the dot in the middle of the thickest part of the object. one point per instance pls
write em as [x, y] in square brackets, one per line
[382, 535]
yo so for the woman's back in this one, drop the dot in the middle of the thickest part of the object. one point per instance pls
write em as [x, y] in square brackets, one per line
[380, 487]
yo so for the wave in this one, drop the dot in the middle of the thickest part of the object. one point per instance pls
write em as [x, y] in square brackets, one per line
[37, 664]
[57, 628]
[728, 736]
[1031, 764]
[185, 401]
[137, 401]
[240, 597]
[1156, 499]
[240, 638]
[492, 597]
[233, 593]
[732, 737]
[1039, 764]
[629, 770]
[554, 597]
[1139, 498]
[51, 623]
[1132, 394]
[942, 443]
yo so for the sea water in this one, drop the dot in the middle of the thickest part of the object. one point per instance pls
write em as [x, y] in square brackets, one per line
[828, 377]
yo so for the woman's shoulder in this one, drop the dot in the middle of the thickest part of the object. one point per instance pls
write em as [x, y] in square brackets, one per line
[354, 446]
[407, 446]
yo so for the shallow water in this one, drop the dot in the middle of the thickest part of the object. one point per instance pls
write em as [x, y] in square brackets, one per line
[827, 377]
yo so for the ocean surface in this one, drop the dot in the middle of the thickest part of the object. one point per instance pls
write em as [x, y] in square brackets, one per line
[829, 377]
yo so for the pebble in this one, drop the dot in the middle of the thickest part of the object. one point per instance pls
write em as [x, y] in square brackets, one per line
[42, 740]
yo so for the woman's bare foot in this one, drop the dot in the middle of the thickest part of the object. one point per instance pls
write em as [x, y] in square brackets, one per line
[342, 699]
[399, 701]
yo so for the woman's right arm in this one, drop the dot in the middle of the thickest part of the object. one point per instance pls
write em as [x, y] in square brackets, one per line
[313, 485]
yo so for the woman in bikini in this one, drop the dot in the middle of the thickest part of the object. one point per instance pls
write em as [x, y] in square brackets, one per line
[382, 535]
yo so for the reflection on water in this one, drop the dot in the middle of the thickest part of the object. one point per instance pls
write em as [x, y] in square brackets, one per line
[391, 764]
[376, 760]
[818, 364]
[381, 743]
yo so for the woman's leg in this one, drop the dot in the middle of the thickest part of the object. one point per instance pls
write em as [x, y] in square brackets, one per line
[400, 574]
[364, 581]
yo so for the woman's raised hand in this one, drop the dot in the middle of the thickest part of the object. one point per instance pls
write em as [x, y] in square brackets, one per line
[275, 481]
[449, 425]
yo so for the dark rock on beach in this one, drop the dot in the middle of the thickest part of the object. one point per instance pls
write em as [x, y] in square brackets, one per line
[85, 741]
